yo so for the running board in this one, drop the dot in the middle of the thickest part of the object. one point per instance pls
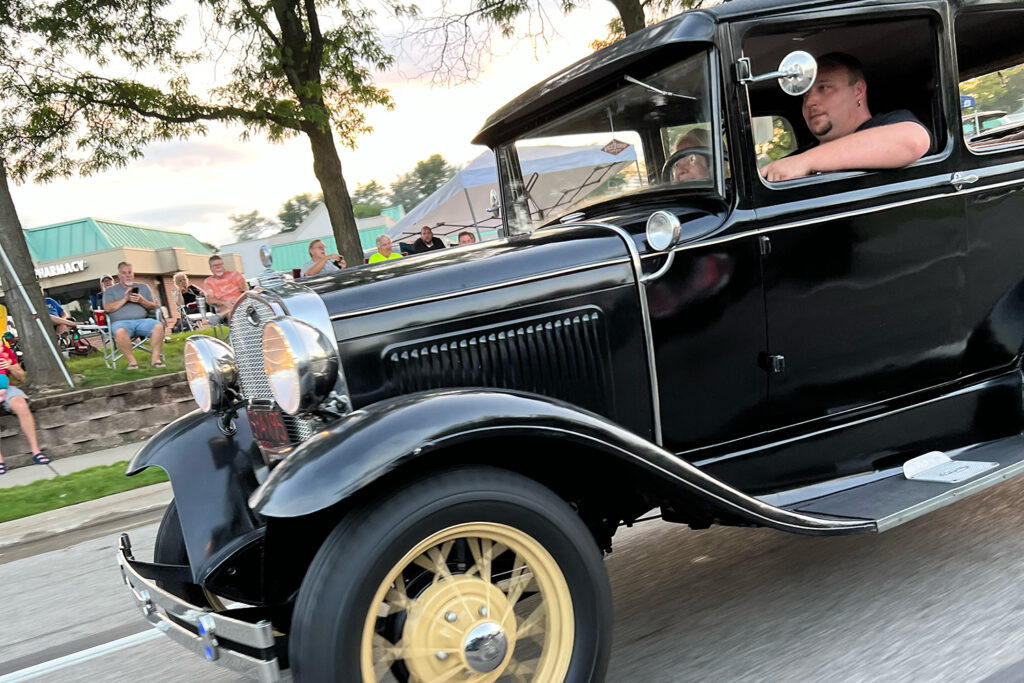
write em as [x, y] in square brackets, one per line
[895, 499]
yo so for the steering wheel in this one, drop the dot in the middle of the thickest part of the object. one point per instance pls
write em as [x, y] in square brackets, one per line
[666, 170]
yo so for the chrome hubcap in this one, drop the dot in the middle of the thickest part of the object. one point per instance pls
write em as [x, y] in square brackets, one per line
[486, 646]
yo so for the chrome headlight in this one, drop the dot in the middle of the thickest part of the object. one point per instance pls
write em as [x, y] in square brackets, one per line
[301, 364]
[663, 230]
[211, 371]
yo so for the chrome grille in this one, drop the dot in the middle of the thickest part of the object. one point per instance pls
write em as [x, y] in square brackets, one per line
[247, 342]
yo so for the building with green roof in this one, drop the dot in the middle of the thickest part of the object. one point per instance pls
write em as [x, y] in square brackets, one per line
[70, 257]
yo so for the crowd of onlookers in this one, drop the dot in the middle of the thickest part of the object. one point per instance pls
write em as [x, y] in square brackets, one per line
[126, 309]
[320, 262]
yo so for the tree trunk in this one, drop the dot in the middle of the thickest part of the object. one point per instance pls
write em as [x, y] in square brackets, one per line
[44, 369]
[632, 14]
[327, 167]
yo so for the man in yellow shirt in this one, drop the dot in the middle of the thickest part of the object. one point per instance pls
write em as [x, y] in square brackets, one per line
[384, 252]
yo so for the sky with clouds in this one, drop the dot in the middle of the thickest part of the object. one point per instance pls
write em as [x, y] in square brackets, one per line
[194, 185]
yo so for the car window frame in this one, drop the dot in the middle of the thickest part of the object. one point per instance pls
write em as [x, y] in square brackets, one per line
[768, 193]
[1011, 147]
[510, 170]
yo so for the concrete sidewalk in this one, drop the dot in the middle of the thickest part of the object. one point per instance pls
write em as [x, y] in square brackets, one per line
[19, 476]
[83, 515]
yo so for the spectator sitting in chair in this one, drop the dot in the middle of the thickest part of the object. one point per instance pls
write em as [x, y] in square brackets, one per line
[96, 300]
[426, 242]
[185, 296]
[320, 262]
[14, 401]
[128, 304]
[384, 250]
[62, 322]
[224, 287]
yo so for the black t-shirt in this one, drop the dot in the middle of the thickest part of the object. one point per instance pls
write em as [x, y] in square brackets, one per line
[419, 246]
[898, 116]
[188, 296]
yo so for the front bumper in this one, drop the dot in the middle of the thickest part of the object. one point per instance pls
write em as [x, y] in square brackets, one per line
[212, 635]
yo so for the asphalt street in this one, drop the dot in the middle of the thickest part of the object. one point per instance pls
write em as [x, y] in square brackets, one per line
[938, 599]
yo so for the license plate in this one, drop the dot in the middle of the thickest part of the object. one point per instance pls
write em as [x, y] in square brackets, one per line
[269, 430]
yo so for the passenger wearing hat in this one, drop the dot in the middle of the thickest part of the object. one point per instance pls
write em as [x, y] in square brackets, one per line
[96, 300]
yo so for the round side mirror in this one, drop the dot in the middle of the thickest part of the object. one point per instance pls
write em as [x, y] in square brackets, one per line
[799, 70]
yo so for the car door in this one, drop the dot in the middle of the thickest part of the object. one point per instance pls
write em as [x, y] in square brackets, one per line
[990, 63]
[864, 271]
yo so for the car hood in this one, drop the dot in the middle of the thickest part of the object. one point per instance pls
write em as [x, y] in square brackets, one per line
[425, 277]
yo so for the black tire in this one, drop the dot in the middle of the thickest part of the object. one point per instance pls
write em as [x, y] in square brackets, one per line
[170, 549]
[341, 585]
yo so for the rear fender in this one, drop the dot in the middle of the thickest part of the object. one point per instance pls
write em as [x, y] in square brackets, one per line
[367, 444]
[212, 476]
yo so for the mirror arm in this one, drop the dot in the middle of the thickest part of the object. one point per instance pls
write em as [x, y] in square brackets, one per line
[648, 280]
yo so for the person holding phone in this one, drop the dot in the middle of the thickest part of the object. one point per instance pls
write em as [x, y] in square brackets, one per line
[128, 304]
[320, 262]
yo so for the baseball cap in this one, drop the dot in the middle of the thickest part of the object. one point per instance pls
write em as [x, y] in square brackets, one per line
[104, 277]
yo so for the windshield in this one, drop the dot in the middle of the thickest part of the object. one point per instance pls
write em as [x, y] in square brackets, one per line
[652, 132]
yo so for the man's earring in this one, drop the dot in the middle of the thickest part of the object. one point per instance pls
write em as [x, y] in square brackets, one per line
[858, 103]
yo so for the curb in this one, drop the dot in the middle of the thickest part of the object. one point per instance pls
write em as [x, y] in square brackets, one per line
[72, 518]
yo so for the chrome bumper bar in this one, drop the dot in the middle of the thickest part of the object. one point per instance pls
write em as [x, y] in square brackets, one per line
[158, 606]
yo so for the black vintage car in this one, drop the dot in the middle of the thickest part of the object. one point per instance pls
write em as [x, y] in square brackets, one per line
[410, 471]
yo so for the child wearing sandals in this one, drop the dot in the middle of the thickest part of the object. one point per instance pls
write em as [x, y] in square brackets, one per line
[14, 400]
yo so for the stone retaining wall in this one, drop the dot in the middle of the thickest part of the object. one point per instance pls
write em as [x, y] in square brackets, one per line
[93, 419]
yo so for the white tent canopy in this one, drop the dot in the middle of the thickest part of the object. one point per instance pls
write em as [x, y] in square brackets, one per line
[555, 176]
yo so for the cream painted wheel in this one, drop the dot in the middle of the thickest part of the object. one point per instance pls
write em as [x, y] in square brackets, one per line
[469, 574]
[526, 638]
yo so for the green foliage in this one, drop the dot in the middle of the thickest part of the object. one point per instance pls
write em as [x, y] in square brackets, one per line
[782, 144]
[371, 193]
[1001, 90]
[68, 489]
[86, 84]
[250, 226]
[654, 11]
[426, 177]
[295, 210]
[370, 199]
[56, 119]
[367, 210]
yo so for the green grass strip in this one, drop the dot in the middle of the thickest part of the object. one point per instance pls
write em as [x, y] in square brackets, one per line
[68, 489]
[91, 371]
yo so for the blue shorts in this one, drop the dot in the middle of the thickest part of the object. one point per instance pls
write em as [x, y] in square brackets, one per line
[12, 391]
[142, 327]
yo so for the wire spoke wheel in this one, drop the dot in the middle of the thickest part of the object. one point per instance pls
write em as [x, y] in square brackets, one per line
[471, 574]
[490, 605]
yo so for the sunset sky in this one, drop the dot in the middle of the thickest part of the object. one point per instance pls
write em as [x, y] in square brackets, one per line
[195, 185]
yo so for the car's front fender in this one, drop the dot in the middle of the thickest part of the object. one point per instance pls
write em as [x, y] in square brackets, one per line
[369, 443]
[212, 476]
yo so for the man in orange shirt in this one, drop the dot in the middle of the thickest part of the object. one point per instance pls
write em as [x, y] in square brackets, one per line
[224, 287]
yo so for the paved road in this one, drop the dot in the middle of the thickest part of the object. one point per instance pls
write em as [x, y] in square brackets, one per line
[939, 599]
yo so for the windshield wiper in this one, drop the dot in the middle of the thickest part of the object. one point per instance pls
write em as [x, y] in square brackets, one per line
[658, 90]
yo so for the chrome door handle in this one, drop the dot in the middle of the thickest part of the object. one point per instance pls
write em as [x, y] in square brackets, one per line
[960, 179]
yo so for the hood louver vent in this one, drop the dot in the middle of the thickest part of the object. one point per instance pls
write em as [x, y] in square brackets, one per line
[562, 355]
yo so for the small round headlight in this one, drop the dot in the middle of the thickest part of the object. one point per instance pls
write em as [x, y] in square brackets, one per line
[300, 362]
[211, 371]
[663, 230]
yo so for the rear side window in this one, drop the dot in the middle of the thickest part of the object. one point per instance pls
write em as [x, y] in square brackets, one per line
[991, 57]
